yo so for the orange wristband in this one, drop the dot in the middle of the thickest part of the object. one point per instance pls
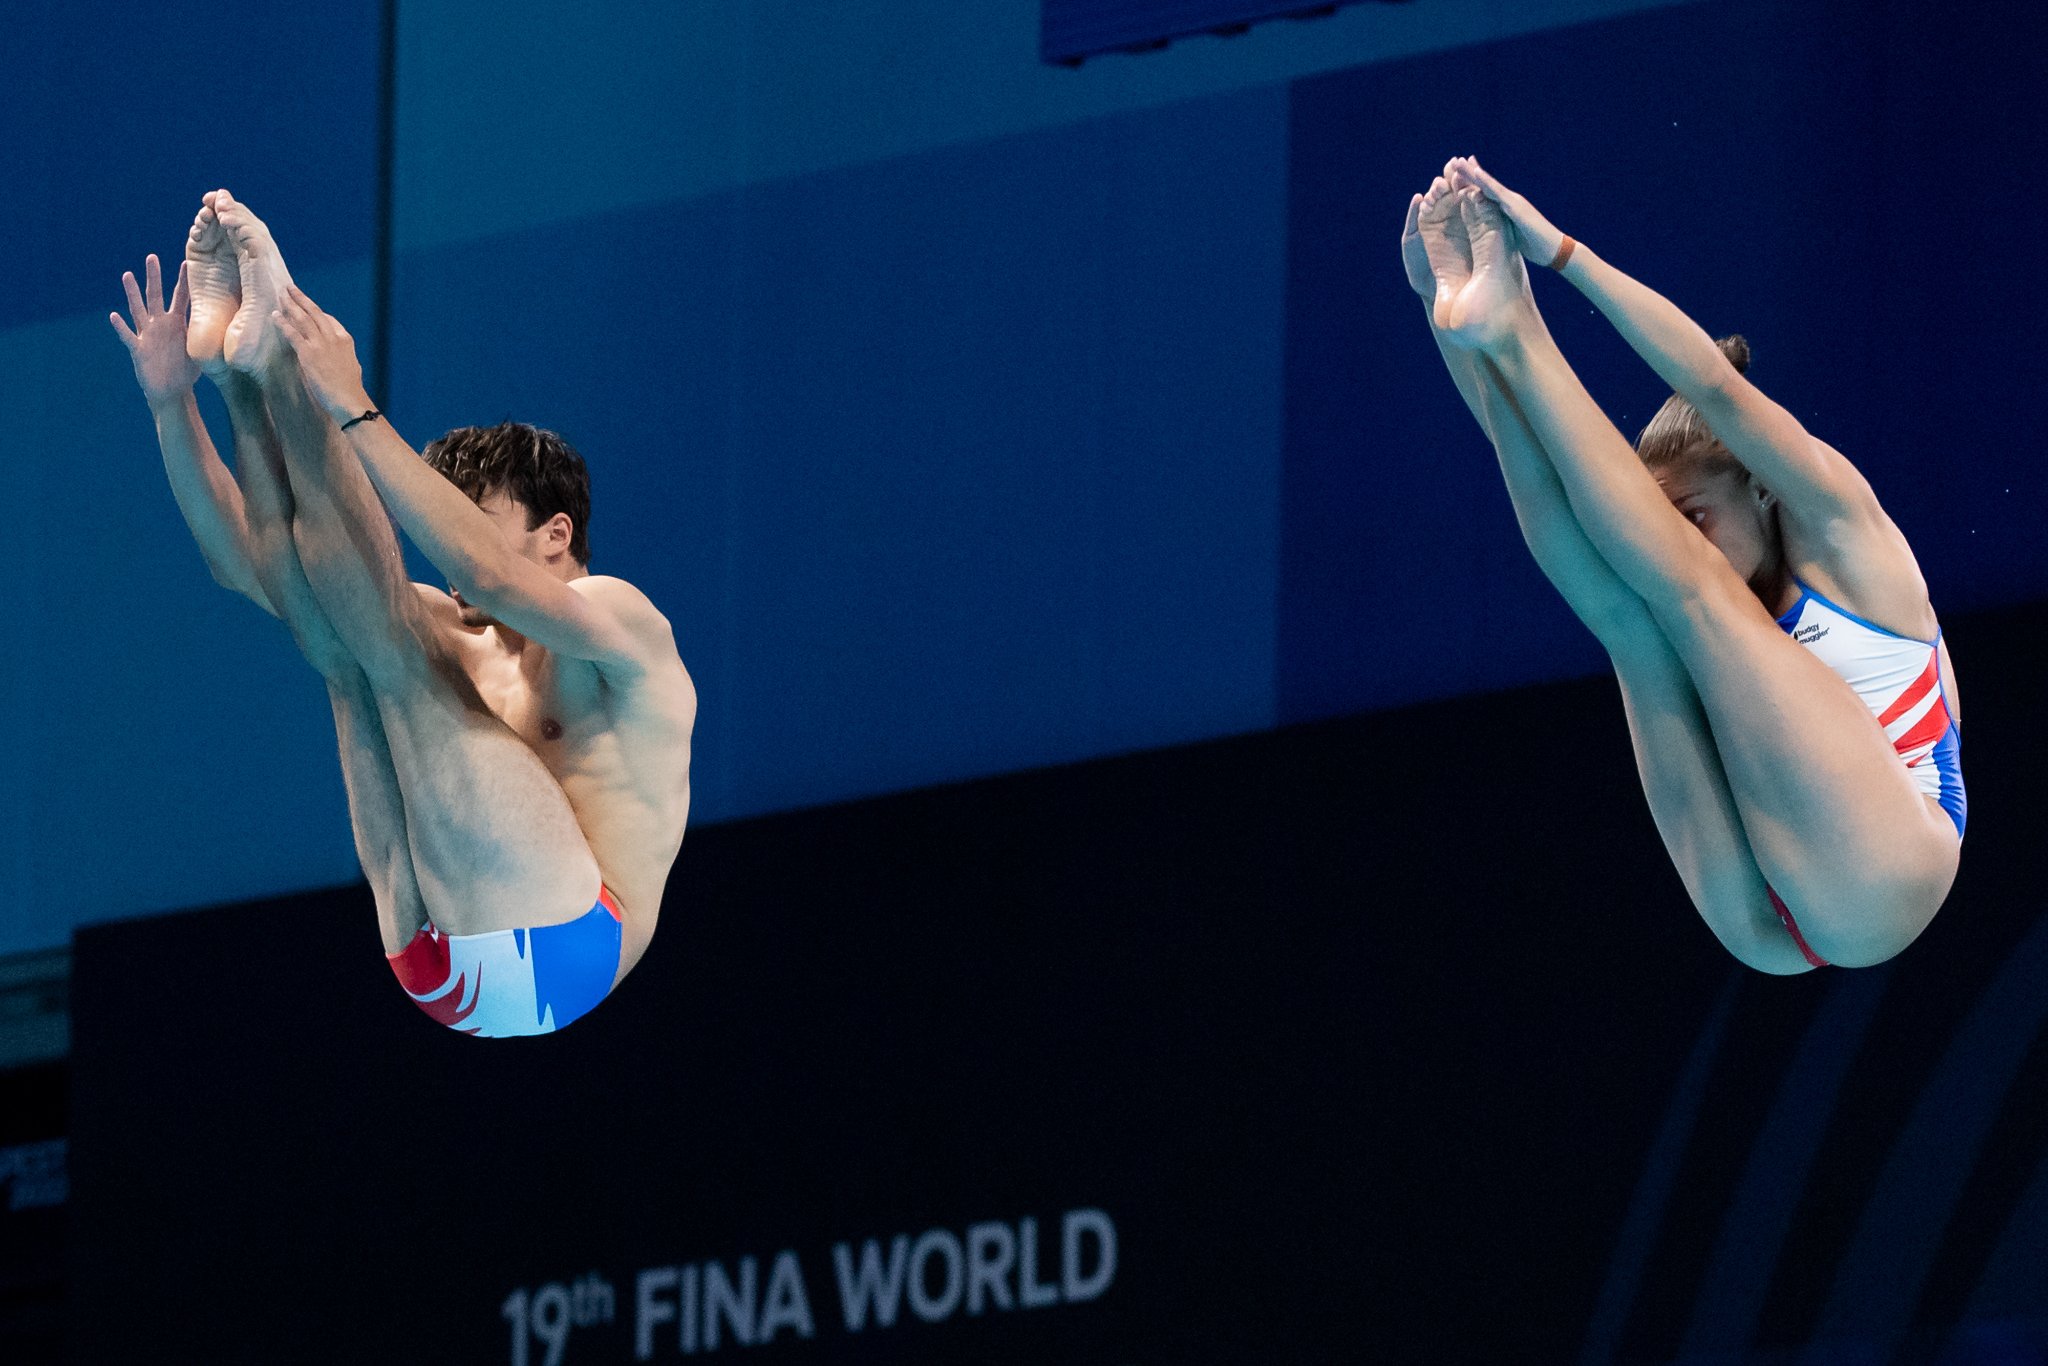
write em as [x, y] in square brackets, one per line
[1564, 253]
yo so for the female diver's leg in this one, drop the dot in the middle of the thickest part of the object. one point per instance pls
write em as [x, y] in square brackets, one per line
[1681, 771]
[1862, 857]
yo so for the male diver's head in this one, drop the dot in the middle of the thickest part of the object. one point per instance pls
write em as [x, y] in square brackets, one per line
[1714, 490]
[531, 483]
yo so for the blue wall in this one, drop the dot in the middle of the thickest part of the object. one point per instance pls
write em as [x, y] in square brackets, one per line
[964, 413]
[163, 744]
[949, 465]
[1799, 173]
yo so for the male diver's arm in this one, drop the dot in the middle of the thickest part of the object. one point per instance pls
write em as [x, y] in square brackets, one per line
[583, 621]
[614, 628]
[208, 497]
[155, 337]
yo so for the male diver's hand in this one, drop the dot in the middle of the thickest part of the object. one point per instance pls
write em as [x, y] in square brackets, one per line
[326, 353]
[1536, 236]
[156, 343]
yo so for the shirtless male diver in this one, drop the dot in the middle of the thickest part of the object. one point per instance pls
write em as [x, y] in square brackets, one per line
[516, 751]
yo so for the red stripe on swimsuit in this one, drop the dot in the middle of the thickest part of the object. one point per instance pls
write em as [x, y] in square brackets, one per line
[1792, 927]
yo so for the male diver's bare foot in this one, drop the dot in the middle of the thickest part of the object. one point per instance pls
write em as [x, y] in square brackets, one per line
[214, 283]
[253, 344]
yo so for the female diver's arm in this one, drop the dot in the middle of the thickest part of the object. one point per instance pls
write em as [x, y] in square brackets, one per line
[1589, 587]
[1812, 479]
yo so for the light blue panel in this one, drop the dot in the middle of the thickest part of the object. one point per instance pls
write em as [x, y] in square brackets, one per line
[954, 464]
[616, 332]
[516, 113]
[1192, 417]
[167, 746]
[115, 116]
[163, 746]
[965, 463]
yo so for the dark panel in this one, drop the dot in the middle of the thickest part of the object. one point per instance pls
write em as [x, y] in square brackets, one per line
[34, 1186]
[1366, 1004]
[1070, 31]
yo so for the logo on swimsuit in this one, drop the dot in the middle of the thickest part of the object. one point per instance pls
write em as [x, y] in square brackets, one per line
[1806, 635]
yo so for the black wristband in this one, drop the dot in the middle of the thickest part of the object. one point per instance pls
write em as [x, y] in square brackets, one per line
[362, 417]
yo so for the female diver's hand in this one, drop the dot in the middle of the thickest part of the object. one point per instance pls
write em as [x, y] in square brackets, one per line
[1537, 236]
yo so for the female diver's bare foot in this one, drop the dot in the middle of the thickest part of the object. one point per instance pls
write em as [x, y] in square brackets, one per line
[1483, 309]
[1444, 247]
[213, 281]
[253, 344]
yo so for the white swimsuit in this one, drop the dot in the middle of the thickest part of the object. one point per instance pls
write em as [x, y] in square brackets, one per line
[1899, 679]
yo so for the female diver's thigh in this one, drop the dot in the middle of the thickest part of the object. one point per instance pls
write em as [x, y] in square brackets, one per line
[1690, 799]
[1860, 855]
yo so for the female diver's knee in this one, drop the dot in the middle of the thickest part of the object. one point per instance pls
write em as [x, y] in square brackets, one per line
[1767, 949]
[1869, 930]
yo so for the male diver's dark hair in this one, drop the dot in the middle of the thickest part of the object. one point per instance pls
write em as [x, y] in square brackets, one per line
[1678, 435]
[531, 464]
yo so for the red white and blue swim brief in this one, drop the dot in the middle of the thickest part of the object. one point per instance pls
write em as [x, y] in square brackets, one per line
[512, 982]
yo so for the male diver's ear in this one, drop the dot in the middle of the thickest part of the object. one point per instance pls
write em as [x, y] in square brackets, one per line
[560, 532]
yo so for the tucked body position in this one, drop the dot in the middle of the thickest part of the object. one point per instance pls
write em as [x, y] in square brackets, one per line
[1788, 690]
[516, 749]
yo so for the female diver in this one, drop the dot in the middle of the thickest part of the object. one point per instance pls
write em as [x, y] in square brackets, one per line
[1788, 692]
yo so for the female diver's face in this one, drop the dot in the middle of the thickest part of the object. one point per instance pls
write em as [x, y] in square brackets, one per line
[1731, 512]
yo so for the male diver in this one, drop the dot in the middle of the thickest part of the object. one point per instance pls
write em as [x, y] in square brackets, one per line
[516, 750]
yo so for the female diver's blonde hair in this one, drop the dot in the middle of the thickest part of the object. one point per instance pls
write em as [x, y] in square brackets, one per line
[1678, 435]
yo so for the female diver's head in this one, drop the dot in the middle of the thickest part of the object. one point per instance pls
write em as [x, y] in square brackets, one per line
[1713, 490]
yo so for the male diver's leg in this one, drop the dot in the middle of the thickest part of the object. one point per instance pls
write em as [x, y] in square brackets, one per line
[1688, 792]
[377, 812]
[495, 844]
[375, 806]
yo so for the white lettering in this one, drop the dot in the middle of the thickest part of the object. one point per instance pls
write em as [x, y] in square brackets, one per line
[650, 1313]
[1077, 1223]
[549, 1320]
[871, 1285]
[1031, 1292]
[993, 1265]
[931, 1308]
[787, 1307]
[735, 1304]
[593, 1301]
[991, 1252]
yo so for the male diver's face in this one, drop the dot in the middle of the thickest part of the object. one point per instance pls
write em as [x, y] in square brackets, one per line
[1729, 510]
[510, 516]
